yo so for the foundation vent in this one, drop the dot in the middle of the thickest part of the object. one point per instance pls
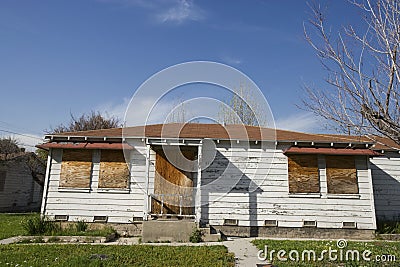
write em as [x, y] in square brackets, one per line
[137, 219]
[231, 222]
[271, 223]
[349, 225]
[309, 223]
[102, 219]
[61, 218]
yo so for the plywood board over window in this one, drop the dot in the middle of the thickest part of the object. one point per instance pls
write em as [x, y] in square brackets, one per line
[76, 168]
[303, 174]
[114, 172]
[341, 175]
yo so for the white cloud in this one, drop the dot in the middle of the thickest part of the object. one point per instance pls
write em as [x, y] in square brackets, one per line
[114, 109]
[301, 122]
[231, 60]
[137, 115]
[151, 110]
[181, 11]
[165, 11]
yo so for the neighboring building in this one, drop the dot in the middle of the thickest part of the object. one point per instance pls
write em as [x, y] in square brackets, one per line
[386, 179]
[21, 182]
[241, 181]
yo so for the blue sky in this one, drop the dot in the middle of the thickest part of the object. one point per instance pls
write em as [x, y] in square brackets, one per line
[64, 56]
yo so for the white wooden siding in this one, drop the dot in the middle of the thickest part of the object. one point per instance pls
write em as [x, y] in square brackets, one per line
[20, 192]
[271, 200]
[386, 182]
[120, 206]
[265, 172]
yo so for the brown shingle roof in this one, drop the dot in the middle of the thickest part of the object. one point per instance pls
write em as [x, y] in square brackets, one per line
[216, 131]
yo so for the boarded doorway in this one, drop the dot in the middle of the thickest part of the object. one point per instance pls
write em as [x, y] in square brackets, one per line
[173, 187]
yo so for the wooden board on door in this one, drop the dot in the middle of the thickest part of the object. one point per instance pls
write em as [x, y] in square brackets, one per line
[173, 182]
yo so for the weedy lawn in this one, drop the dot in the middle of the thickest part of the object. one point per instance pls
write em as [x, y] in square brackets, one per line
[383, 253]
[111, 255]
[12, 224]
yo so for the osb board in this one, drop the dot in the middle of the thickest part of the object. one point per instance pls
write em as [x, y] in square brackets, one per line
[171, 180]
[341, 175]
[76, 167]
[114, 172]
[303, 174]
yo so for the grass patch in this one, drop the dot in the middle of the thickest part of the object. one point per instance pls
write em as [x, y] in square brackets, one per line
[31, 224]
[388, 227]
[74, 230]
[100, 255]
[11, 224]
[196, 236]
[377, 248]
[40, 226]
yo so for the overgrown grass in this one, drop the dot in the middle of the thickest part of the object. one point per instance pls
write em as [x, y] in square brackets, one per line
[73, 231]
[43, 226]
[11, 224]
[100, 255]
[31, 224]
[388, 227]
[377, 248]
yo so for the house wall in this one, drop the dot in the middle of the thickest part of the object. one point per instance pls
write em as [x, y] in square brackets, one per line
[228, 198]
[386, 181]
[19, 191]
[83, 204]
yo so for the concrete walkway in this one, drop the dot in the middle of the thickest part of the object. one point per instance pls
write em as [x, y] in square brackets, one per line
[10, 240]
[245, 252]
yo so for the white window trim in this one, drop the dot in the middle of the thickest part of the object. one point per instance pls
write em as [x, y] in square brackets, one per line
[114, 190]
[351, 196]
[75, 190]
[305, 195]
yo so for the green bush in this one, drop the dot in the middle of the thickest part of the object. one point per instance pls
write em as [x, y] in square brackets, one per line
[196, 236]
[81, 226]
[40, 226]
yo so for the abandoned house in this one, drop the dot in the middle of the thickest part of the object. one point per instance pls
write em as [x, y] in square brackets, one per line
[240, 181]
[21, 182]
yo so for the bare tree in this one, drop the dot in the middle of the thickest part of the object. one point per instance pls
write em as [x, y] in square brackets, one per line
[179, 113]
[362, 96]
[242, 108]
[9, 145]
[92, 121]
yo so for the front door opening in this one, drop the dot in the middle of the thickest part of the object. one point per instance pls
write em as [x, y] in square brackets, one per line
[173, 186]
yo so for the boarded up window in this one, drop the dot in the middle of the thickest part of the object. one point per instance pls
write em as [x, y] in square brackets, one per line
[341, 175]
[114, 172]
[3, 175]
[303, 174]
[76, 168]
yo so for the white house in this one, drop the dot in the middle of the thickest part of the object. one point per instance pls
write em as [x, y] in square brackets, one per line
[242, 181]
[21, 182]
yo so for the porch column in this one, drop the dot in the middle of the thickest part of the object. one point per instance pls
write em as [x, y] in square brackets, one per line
[198, 186]
[146, 186]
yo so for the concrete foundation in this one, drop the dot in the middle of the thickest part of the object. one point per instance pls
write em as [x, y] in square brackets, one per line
[163, 231]
[289, 232]
[180, 231]
[123, 229]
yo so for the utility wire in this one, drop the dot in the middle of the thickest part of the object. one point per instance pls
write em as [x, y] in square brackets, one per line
[26, 135]
[15, 127]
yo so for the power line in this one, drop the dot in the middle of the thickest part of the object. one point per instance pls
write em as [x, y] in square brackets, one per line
[15, 127]
[26, 135]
